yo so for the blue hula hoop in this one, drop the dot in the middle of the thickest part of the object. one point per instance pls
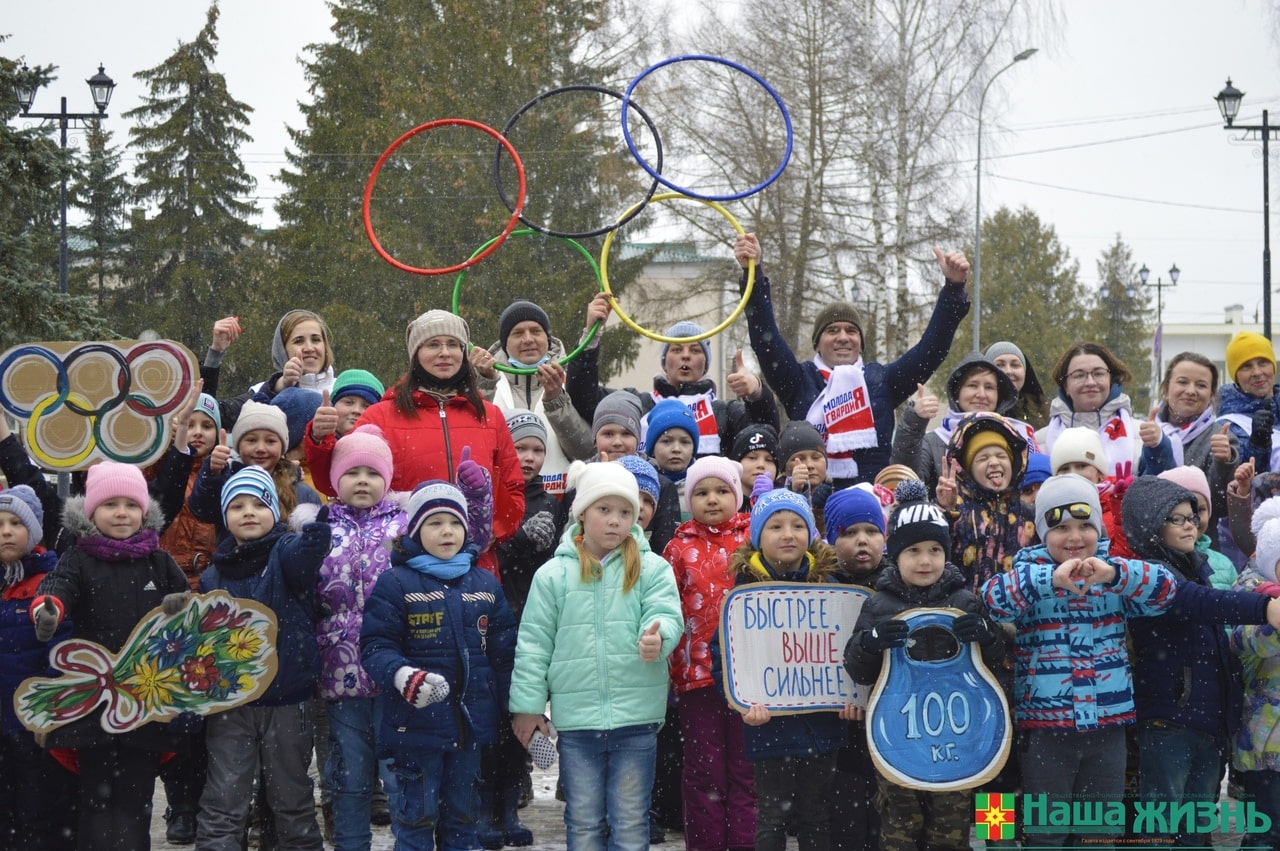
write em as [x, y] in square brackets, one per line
[656, 175]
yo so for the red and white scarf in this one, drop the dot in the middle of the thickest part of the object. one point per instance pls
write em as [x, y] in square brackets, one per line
[699, 404]
[842, 415]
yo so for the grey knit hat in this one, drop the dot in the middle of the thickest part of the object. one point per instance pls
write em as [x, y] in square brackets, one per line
[524, 424]
[435, 323]
[685, 328]
[1069, 489]
[1004, 347]
[621, 407]
[21, 501]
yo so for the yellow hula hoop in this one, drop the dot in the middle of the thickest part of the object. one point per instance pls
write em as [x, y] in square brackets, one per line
[33, 441]
[654, 335]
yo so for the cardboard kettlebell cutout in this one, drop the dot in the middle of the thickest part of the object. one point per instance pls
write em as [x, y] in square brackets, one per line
[937, 724]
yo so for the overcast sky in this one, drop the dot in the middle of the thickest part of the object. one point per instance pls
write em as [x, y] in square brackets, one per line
[1113, 130]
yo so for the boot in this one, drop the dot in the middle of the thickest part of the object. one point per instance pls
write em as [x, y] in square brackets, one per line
[488, 834]
[180, 826]
[514, 833]
[379, 807]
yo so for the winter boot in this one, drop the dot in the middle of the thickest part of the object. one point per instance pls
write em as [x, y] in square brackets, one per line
[514, 833]
[488, 833]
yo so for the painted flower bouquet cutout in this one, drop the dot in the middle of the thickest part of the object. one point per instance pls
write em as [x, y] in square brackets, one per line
[217, 653]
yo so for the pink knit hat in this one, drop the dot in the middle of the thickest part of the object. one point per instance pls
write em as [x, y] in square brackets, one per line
[1193, 479]
[715, 467]
[108, 480]
[363, 446]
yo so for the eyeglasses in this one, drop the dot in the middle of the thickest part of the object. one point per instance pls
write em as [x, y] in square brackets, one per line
[1078, 510]
[1182, 519]
[436, 346]
[1080, 376]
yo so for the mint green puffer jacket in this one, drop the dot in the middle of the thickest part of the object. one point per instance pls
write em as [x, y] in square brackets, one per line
[578, 641]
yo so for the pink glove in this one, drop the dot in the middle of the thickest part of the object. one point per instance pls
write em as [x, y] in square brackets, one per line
[471, 475]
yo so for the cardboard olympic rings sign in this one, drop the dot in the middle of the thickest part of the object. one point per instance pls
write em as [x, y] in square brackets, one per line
[782, 646]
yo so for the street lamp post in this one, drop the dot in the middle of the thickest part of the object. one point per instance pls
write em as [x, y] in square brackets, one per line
[1144, 273]
[101, 86]
[977, 227]
[1229, 105]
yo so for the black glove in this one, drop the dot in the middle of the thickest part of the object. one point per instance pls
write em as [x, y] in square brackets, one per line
[970, 627]
[187, 723]
[886, 634]
[1260, 430]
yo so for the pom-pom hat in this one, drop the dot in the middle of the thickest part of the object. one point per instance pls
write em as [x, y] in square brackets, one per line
[915, 520]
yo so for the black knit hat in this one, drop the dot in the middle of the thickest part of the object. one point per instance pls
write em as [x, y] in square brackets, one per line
[841, 311]
[797, 436]
[517, 312]
[753, 437]
[915, 519]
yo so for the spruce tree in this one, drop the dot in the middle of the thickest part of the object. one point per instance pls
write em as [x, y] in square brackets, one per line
[395, 64]
[102, 192]
[191, 256]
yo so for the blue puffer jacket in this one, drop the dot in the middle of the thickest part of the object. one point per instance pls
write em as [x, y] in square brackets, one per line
[888, 385]
[279, 570]
[21, 656]
[461, 629]
[1237, 408]
[1071, 666]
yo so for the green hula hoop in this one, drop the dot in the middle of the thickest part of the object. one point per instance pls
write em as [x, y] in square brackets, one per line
[654, 335]
[586, 341]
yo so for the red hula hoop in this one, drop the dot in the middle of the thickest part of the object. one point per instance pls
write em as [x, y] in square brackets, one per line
[497, 241]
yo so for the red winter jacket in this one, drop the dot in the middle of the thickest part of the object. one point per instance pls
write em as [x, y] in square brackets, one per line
[429, 446]
[699, 554]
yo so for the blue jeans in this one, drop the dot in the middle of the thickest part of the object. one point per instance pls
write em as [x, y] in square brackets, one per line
[1263, 788]
[352, 769]
[439, 795]
[608, 780]
[1177, 763]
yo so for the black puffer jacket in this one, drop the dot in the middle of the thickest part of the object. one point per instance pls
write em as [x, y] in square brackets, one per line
[893, 597]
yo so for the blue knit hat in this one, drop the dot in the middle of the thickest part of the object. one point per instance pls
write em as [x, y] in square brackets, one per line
[256, 482]
[669, 414]
[850, 507]
[431, 497]
[299, 408]
[207, 405]
[1037, 470]
[685, 328]
[780, 499]
[646, 476]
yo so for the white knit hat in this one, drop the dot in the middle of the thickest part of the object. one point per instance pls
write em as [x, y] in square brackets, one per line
[256, 415]
[596, 481]
[1078, 444]
[435, 323]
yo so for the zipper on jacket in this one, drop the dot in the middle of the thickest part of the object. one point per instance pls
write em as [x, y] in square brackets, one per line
[448, 451]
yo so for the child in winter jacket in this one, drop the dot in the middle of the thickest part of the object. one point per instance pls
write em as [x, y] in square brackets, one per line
[1072, 684]
[716, 781]
[114, 575]
[438, 639]
[1255, 752]
[793, 756]
[917, 576]
[670, 440]
[754, 448]
[979, 491]
[363, 521]
[1222, 573]
[855, 529]
[261, 560]
[602, 617]
[1187, 682]
[37, 795]
[802, 466]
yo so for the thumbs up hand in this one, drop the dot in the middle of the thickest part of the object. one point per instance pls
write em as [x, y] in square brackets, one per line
[221, 454]
[924, 403]
[325, 421]
[1150, 432]
[46, 617]
[471, 476]
[650, 644]
[1220, 444]
[741, 381]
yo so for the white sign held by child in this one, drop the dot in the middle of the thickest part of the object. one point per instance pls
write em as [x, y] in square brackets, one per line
[782, 646]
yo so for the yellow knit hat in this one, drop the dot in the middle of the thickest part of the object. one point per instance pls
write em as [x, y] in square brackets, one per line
[981, 440]
[1246, 346]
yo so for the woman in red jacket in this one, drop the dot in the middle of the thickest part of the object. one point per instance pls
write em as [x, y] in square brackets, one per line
[429, 418]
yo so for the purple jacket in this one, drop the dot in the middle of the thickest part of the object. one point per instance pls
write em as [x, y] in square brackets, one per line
[360, 554]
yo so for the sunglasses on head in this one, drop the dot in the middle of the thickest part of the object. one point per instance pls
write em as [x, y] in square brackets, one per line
[1078, 510]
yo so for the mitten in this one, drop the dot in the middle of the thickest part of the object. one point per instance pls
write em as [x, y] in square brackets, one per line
[540, 529]
[762, 486]
[175, 602]
[471, 476]
[1260, 429]
[46, 616]
[970, 627]
[187, 723]
[886, 634]
[542, 748]
[420, 687]
[322, 516]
